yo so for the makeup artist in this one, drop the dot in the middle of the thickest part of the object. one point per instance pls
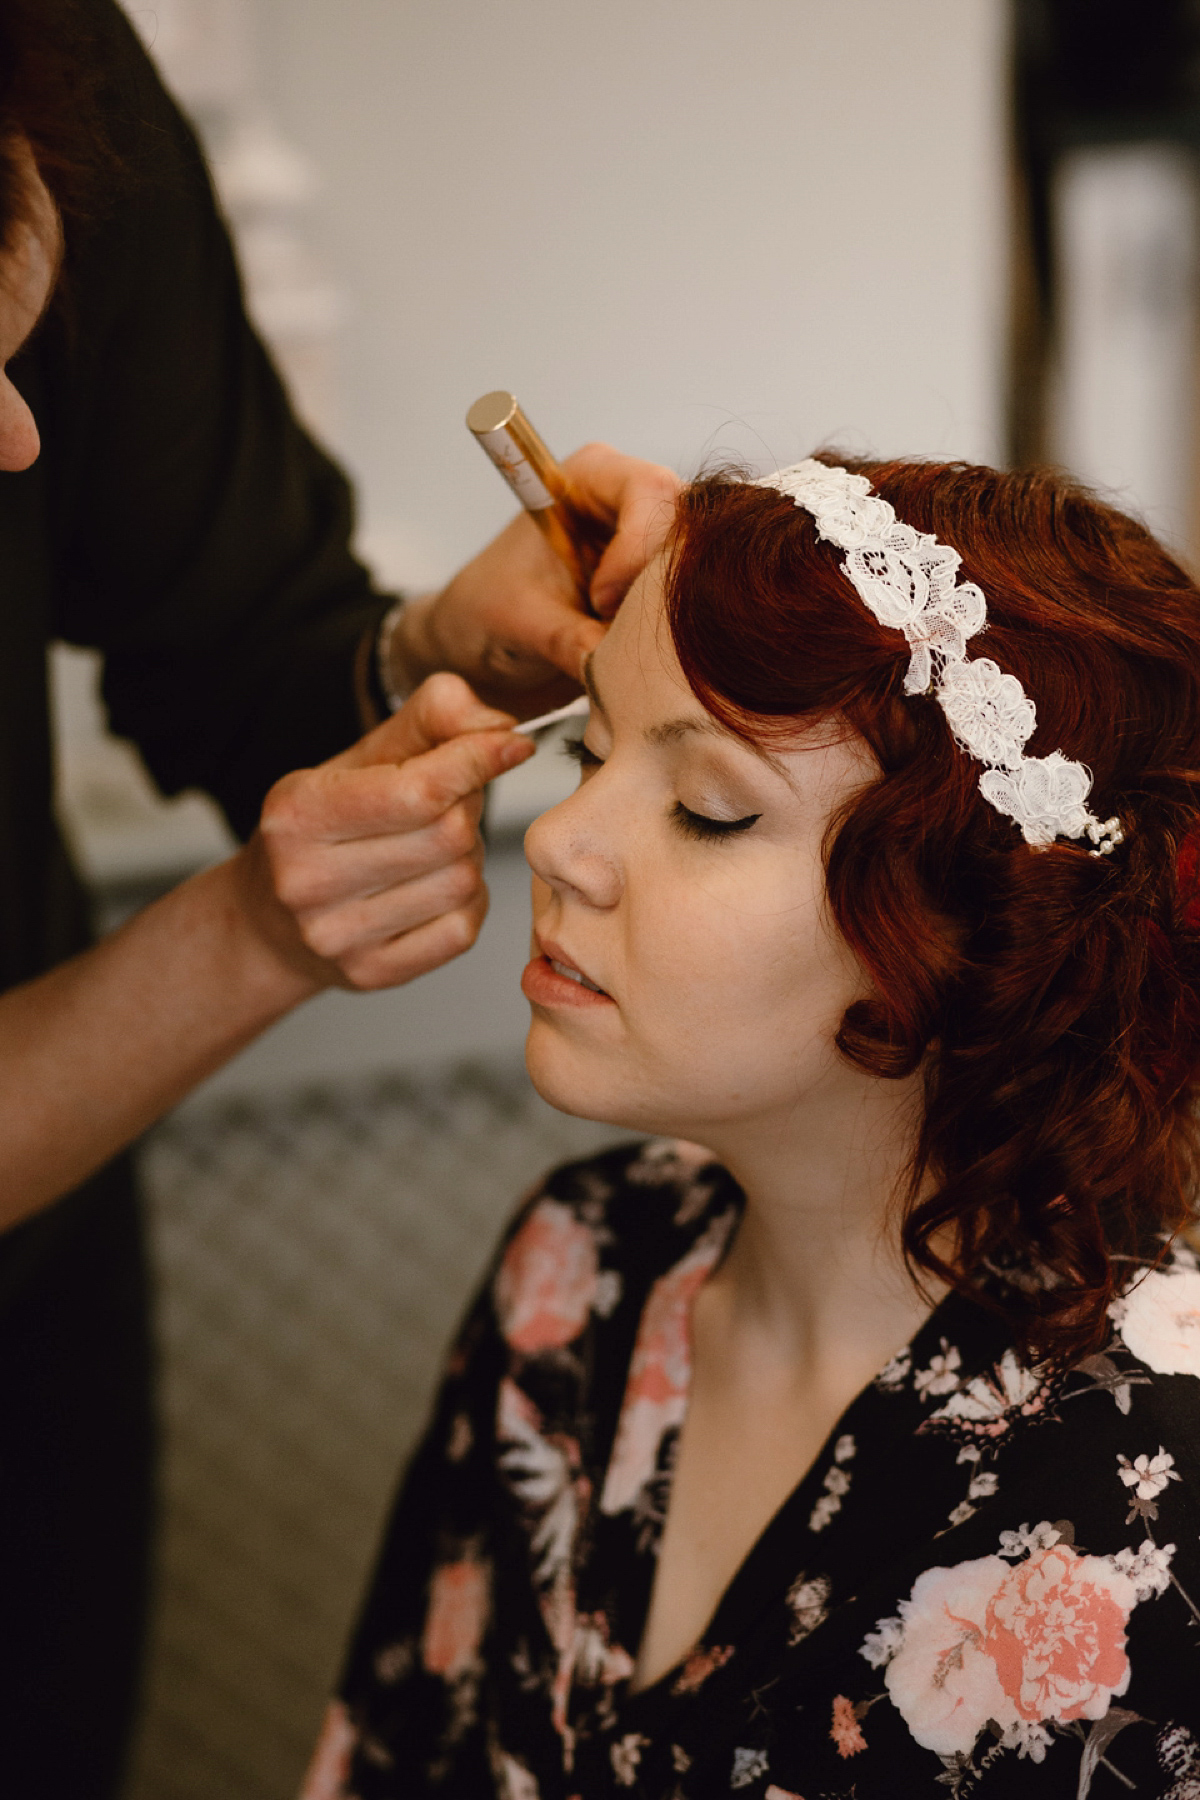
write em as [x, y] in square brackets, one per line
[159, 501]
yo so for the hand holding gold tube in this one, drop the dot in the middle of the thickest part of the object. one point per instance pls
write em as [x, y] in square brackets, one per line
[575, 535]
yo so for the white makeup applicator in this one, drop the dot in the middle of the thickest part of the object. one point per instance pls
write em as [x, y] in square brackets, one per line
[578, 709]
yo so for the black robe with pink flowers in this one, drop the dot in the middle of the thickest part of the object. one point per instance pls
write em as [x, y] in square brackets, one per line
[987, 1584]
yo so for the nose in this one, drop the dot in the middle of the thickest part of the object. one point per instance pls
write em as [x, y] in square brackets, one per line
[19, 440]
[570, 849]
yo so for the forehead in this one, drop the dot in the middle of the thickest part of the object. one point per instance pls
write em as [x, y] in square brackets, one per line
[637, 659]
[635, 675]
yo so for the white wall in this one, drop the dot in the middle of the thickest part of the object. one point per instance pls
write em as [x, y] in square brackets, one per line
[685, 226]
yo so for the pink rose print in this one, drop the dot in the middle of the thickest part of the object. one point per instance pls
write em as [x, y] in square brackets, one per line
[1056, 1632]
[660, 1372]
[1159, 1319]
[845, 1730]
[983, 1641]
[775, 1792]
[329, 1771]
[546, 1282]
[943, 1686]
[455, 1620]
[702, 1663]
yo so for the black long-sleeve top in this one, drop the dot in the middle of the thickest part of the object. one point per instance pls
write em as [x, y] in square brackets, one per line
[178, 519]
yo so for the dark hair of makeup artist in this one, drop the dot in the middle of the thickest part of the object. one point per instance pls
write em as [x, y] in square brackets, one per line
[50, 77]
[1052, 998]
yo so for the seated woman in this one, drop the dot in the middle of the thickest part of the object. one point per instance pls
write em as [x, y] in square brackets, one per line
[858, 1452]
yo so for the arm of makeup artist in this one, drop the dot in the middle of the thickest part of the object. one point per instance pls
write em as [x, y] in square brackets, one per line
[96, 1049]
[365, 872]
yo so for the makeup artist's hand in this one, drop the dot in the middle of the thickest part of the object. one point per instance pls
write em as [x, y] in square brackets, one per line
[376, 854]
[511, 622]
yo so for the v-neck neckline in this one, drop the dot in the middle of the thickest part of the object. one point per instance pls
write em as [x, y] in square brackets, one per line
[754, 1584]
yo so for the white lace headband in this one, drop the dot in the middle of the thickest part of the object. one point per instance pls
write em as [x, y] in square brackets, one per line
[908, 580]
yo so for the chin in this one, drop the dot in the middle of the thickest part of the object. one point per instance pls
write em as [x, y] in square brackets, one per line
[565, 1081]
[561, 1084]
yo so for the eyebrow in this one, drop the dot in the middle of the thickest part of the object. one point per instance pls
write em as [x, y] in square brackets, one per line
[668, 733]
[589, 682]
[672, 730]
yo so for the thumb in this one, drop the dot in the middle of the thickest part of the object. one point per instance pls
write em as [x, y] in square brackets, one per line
[451, 771]
[443, 707]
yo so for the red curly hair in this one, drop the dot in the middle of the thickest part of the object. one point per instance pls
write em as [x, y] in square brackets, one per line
[1051, 997]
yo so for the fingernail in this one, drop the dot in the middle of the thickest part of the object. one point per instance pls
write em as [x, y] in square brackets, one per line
[517, 751]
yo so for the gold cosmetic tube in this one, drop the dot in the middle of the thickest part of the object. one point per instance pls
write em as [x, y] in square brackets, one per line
[573, 533]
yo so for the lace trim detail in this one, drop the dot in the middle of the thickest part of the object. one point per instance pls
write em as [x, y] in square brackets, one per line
[910, 583]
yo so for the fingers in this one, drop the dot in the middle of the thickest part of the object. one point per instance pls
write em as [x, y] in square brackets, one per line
[344, 932]
[338, 803]
[511, 619]
[381, 911]
[376, 862]
[559, 633]
[641, 497]
[310, 874]
[401, 959]
[375, 854]
[442, 708]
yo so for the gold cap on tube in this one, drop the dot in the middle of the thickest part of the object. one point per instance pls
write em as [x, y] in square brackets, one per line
[538, 482]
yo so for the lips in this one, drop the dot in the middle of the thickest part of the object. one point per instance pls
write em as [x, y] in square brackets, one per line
[564, 965]
[553, 979]
[562, 968]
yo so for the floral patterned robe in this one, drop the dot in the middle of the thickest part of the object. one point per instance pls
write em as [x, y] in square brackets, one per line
[987, 1584]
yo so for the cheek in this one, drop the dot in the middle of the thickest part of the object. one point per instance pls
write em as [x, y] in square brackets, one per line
[742, 976]
[540, 894]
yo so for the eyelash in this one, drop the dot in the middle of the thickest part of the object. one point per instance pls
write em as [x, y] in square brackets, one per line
[577, 750]
[691, 824]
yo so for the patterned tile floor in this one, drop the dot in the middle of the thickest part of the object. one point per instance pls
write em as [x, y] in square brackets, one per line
[313, 1254]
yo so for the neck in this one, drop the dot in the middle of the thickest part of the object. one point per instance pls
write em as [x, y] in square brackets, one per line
[815, 1279]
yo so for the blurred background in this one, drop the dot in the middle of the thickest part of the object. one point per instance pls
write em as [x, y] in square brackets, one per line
[959, 228]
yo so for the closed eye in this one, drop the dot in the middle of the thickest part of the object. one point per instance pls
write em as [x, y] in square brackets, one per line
[699, 825]
[578, 752]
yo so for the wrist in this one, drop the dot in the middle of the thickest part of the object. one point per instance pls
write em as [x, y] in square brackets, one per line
[411, 652]
[275, 969]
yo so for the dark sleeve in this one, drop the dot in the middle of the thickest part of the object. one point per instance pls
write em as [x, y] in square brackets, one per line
[202, 537]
